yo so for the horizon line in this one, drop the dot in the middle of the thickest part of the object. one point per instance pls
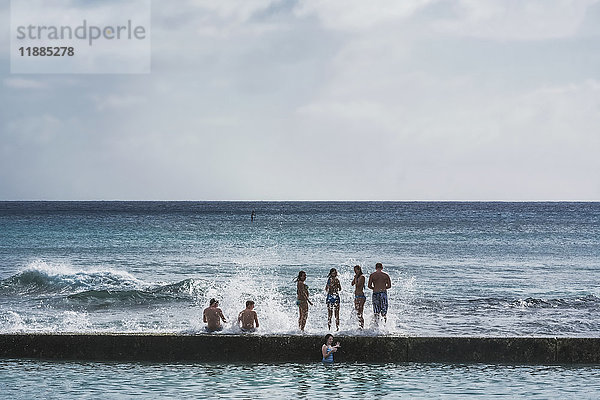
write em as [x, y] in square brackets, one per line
[297, 201]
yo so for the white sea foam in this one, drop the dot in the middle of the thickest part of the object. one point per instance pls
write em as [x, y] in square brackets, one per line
[276, 304]
[166, 311]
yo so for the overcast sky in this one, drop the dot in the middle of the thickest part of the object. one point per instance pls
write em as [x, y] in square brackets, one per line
[321, 100]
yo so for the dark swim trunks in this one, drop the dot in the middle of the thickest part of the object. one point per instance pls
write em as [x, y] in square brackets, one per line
[380, 303]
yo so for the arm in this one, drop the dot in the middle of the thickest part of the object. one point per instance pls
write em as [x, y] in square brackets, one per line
[221, 315]
[388, 283]
[240, 317]
[353, 281]
[204, 317]
[256, 318]
[370, 282]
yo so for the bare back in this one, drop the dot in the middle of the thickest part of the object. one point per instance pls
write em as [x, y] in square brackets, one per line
[247, 318]
[212, 317]
[379, 281]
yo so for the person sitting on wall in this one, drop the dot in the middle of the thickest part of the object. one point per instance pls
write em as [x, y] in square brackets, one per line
[213, 316]
[248, 317]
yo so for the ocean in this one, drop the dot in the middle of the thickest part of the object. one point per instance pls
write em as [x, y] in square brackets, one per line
[460, 269]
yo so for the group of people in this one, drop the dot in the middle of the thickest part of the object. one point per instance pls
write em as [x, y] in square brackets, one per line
[213, 315]
[378, 281]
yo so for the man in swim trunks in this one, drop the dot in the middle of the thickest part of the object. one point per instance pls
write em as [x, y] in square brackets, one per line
[380, 282]
[213, 316]
[248, 317]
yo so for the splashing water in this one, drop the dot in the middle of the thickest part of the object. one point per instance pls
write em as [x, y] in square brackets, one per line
[457, 269]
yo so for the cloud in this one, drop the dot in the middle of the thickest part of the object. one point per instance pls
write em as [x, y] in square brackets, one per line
[514, 20]
[322, 100]
[358, 15]
[487, 19]
[20, 83]
[118, 102]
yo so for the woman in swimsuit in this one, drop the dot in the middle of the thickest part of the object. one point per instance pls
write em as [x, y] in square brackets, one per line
[303, 301]
[359, 294]
[333, 288]
[327, 349]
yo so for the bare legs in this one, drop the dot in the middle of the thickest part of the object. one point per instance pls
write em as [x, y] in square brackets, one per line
[303, 309]
[331, 309]
[359, 306]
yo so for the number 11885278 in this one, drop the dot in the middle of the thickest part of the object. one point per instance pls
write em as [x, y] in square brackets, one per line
[47, 51]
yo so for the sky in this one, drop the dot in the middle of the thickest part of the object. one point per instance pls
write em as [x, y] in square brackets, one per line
[413, 100]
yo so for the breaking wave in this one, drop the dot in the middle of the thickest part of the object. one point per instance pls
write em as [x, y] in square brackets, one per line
[99, 287]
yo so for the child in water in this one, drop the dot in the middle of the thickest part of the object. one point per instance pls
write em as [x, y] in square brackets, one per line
[248, 318]
[328, 349]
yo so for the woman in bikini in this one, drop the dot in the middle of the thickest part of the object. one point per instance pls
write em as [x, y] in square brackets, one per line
[333, 288]
[359, 294]
[303, 301]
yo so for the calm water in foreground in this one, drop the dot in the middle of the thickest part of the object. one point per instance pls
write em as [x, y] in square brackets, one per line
[59, 380]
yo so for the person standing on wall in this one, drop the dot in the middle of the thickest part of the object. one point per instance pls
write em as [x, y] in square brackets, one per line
[380, 282]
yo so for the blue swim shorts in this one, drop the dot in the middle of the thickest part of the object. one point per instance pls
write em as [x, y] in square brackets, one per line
[380, 303]
[332, 299]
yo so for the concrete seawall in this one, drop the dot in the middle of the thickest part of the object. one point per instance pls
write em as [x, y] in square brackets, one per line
[255, 348]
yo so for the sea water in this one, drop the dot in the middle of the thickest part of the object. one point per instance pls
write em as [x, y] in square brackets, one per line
[485, 269]
[26, 379]
[464, 269]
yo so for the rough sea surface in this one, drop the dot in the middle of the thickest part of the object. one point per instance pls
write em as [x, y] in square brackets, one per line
[467, 269]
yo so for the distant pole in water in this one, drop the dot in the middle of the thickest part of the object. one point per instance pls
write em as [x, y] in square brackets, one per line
[252, 216]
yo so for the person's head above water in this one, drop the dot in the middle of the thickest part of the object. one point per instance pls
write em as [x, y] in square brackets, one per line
[328, 339]
[358, 270]
[249, 304]
[301, 276]
[379, 266]
[214, 302]
[332, 273]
